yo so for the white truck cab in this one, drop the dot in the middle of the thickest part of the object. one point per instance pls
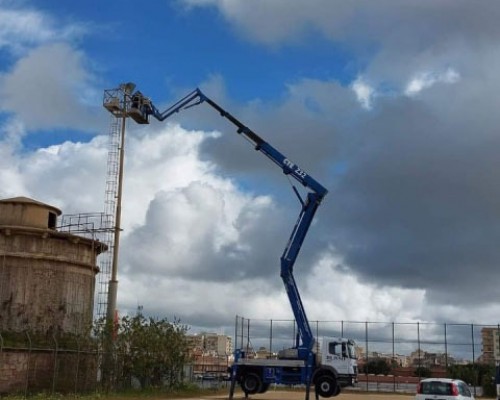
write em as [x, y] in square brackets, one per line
[339, 354]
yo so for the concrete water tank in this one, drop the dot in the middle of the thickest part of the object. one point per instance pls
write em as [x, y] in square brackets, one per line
[47, 277]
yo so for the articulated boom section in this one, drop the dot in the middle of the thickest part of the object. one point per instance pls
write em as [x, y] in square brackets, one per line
[142, 108]
[309, 207]
[197, 97]
[288, 260]
[299, 365]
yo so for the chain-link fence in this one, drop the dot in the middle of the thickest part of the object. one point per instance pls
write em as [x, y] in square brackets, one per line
[422, 344]
[31, 363]
[408, 351]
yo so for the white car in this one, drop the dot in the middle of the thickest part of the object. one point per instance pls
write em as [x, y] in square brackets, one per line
[443, 389]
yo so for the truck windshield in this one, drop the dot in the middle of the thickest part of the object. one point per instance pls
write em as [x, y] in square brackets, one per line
[352, 351]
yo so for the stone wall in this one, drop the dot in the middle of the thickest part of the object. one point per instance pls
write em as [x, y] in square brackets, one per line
[47, 282]
[47, 370]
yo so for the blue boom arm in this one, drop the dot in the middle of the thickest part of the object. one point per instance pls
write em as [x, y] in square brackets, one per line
[309, 206]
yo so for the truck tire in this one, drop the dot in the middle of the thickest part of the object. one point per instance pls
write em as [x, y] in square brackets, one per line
[251, 383]
[327, 386]
[264, 388]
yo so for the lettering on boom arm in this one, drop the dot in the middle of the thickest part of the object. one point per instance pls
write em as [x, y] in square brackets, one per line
[296, 170]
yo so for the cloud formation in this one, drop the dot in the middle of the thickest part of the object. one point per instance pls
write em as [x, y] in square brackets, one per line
[25, 28]
[49, 88]
[407, 150]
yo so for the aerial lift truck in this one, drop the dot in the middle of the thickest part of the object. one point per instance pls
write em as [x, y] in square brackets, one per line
[327, 367]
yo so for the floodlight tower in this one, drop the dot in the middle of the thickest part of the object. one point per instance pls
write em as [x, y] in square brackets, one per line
[117, 102]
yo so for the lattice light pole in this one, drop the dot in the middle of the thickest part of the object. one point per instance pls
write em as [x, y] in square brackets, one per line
[116, 101]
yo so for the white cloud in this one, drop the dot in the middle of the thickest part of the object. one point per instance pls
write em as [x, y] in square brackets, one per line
[44, 89]
[181, 219]
[426, 80]
[11, 179]
[280, 20]
[364, 92]
[194, 242]
[334, 293]
[23, 28]
[69, 176]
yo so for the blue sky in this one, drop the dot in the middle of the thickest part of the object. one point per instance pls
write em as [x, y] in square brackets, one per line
[172, 43]
[392, 106]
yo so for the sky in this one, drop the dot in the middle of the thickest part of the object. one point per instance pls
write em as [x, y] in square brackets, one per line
[392, 106]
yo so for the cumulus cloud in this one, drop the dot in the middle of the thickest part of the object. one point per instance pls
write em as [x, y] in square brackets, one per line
[52, 174]
[412, 187]
[47, 88]
[410, 221]
[402, 41]
[188, 230]
[333, 290]
[24, 28]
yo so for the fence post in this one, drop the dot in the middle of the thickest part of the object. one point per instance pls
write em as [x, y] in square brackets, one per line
[317, 337]
[242, 331]
[1, 349]
[474, 359]
[248, 335]
[366, 357]
[419, 351]
[393, 358]
[271, 339]
[77, 363]
[445, 347]
[27, 365]
[54, 372]
[236, 333]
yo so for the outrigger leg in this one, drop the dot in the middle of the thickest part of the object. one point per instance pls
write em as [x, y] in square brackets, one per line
[233, 383]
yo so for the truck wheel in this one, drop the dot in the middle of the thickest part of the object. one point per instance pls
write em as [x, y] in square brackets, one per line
[251, 383]
[264, 388]
[327, 386]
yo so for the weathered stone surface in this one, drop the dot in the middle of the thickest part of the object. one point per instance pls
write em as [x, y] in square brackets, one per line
[47, 283]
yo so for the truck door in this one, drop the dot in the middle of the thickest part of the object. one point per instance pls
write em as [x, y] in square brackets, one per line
[338, 357]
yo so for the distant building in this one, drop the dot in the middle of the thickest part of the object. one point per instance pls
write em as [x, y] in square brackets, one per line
[210, 352]
[401, 360]
[392, 359]
[491, 345]
[210, 343]
[218, 344]
[421, 358]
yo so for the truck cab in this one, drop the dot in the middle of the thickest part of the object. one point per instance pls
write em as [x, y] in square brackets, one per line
[339, 354]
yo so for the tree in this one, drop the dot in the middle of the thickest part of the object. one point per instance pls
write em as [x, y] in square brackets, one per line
[475, 375]
[152, 351]
[423, 372]
[378, 366]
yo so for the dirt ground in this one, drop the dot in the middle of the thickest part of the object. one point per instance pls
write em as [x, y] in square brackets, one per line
[299, 395]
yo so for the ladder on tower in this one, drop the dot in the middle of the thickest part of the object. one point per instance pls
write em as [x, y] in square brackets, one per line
[106, 259]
